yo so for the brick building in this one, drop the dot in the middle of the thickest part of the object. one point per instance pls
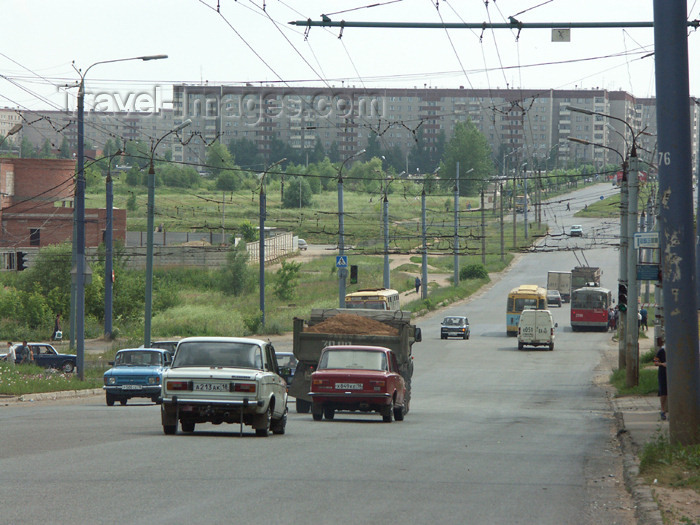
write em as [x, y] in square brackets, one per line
[36, 205]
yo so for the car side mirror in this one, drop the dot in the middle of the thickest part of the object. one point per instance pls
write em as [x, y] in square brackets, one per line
[556, 325]
[110, 363]
[417, 335]
[285, 372]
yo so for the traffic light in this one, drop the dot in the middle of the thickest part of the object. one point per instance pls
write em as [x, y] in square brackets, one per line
[21, 261]
[353, 274]
[622, 297]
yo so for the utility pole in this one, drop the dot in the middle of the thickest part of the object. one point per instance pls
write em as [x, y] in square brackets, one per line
[525, 199]
[503, 244]
[456, 223]
[385, 208]
[515, 218]
[632, 351]
[424, 255]
[676, 216]
[622, 278]
[483, 229]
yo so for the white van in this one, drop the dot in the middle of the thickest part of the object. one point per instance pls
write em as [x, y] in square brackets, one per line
[536, 328]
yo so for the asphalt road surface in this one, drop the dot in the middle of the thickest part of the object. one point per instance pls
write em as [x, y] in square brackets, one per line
[494, 436]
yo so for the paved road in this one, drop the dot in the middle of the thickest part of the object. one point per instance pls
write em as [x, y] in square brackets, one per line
[494, 435]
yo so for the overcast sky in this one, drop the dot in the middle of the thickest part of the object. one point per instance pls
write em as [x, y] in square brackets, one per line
[244, 43]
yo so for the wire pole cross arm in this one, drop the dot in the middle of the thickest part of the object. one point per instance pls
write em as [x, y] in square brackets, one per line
[513, 24]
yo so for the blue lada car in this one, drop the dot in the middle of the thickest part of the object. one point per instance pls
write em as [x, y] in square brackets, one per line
[136, 372]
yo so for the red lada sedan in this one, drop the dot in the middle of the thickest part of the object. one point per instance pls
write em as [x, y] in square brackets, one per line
[358, 378]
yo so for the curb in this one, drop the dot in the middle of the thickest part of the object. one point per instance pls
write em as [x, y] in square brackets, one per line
[646, 508]
[52, 396]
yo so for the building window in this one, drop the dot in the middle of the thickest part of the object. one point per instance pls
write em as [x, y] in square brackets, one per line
[34, 237]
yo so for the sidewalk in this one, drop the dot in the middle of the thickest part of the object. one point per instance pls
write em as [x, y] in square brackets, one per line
[639, 422]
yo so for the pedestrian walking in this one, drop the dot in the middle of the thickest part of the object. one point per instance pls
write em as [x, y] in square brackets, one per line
[645, 316]
[418, 283]
[10, 357]
[660, 361]
[24, 353]
[568, 207]
[57, 334]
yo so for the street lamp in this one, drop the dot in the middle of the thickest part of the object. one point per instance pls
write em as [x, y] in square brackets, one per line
[109, 229]
[342, 272]
[149, 235]
[79, 238]
[14, 129]
[261, 243]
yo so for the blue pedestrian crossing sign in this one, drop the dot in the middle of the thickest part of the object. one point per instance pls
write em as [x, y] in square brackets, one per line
[341, 261]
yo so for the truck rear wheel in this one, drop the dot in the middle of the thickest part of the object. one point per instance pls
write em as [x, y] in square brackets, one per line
[317, 411]
[329, 413]
[303, 406]
[520, 346]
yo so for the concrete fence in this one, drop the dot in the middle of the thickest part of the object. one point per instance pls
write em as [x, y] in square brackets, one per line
[166, 251]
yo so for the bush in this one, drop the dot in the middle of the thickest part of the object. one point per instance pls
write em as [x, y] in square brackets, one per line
[473, 271]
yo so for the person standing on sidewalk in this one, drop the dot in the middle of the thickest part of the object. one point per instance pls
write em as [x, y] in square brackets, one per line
[417, 282]
[10, 357]
[660, 361]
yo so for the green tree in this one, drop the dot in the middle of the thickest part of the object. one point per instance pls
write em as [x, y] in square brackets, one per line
[219, 158]
[64, 150]
[228, 181]
[46, 151]
[470, 148]
[238, 278]
[245, 152]
[248, 232]
[297, 194]
[287, 280]
[27, 149]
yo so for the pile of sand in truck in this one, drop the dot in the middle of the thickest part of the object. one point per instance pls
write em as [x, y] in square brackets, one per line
[351, 324]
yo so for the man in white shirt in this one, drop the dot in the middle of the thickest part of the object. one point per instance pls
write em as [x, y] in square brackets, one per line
[11, 357]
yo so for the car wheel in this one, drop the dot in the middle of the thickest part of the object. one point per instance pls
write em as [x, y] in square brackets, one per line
[157, 400]
[443, 336]
[399, 413]
[329, 413]
[123, 401]
[187, 426]
[465, 337]
[67, 367]
[110, 399]
[317, 411]
[168, 416]
[266, 418]
[388, 412]
[278, 425]
[520, 346]
[303, 406]
[551, 346]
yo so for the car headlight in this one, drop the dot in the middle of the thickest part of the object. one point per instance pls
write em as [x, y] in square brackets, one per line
[153, 380]
[111, 380]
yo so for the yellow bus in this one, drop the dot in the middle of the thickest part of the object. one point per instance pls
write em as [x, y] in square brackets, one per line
[374, 299]
[520, 298]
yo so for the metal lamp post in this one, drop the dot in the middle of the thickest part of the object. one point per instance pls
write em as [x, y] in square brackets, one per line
[261, 242]
[79, 238]
[13, 130]
[342, 273]
[149, 236]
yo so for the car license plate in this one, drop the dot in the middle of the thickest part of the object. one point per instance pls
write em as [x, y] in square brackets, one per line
[131, 387]
[348, 386]
[211, 387]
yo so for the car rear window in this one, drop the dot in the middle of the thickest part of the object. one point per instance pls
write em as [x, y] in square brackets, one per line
[353, 360]
[218, 353]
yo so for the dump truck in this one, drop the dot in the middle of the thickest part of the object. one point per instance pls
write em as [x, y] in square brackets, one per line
[560, 281]
[337, 326]
[585, 276]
